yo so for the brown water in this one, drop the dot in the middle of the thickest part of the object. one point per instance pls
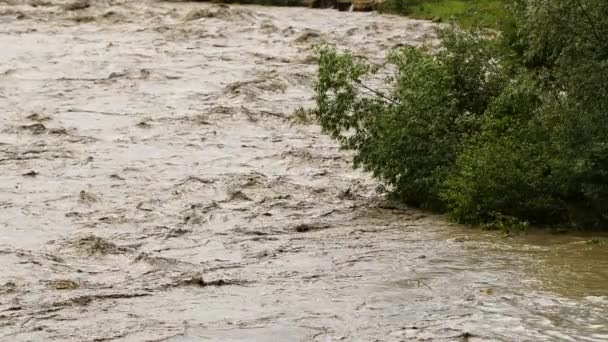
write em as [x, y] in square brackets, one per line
[153, 188]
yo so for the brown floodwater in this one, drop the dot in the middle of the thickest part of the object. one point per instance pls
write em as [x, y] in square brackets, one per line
[154, 187]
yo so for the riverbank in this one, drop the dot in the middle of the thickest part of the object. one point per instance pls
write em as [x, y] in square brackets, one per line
[485, 13]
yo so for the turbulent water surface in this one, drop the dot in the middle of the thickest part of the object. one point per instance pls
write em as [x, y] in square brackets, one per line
[153, 187]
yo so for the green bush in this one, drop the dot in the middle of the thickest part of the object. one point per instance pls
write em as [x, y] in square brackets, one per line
[409, 136]
[510, 129]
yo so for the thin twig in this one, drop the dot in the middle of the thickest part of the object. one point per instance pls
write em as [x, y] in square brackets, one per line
[377, 93]
[249, 114]
[272, 114]
[79, 79]
[76, 110]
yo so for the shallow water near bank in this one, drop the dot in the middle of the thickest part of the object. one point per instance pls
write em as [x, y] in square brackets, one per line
[153, 187]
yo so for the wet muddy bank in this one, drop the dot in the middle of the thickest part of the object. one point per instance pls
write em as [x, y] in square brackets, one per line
[153, 187]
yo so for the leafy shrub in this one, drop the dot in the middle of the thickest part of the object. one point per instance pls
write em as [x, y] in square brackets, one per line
[510, 129]
[408, 136]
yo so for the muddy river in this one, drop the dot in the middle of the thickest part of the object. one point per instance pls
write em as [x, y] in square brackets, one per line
[155, 187]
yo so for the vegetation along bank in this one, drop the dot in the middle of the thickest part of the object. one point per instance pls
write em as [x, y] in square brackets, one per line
[502, 127]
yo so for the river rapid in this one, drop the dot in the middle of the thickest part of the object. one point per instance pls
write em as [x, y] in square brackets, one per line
[154, 186]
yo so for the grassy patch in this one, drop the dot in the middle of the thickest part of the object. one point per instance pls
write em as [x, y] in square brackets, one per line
[467, 13]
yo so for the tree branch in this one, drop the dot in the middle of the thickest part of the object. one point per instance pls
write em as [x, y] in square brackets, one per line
[590, 22]
[377, 93]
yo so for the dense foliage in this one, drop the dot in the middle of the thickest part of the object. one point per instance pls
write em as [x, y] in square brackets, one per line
[510, 128]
